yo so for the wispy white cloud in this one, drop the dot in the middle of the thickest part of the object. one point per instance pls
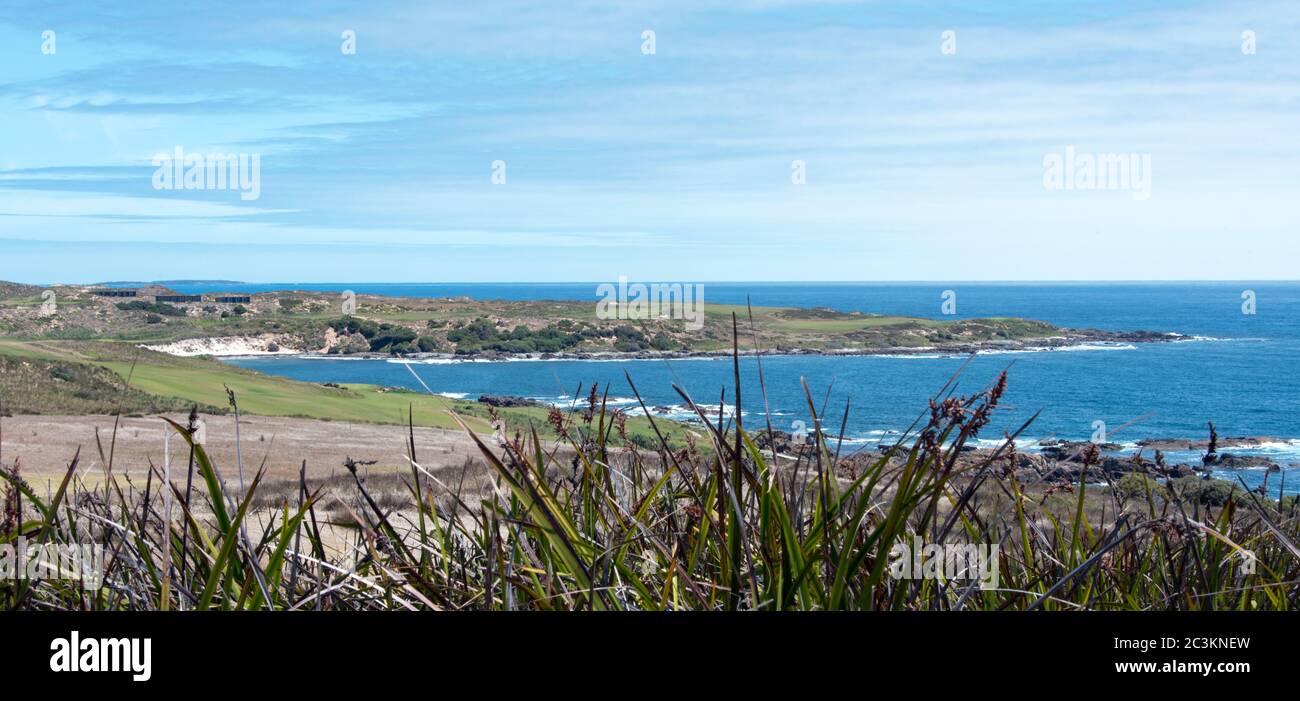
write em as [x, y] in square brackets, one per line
[680, 159]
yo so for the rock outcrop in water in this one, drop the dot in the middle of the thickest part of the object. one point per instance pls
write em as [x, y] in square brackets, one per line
[1060, 461]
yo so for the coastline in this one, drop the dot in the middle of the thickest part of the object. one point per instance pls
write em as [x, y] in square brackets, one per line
[259, 346]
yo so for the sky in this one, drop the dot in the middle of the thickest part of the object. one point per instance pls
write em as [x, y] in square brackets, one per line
[771, 140]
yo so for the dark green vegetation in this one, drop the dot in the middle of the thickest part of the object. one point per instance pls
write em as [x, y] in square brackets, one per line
[383, 337]
[1191, 489]
[484, 335]
[719, 524]
[151, 307]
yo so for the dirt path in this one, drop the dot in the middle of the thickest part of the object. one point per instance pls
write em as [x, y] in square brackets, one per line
[46, 444]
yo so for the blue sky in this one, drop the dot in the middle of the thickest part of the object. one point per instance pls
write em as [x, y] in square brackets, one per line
[920, 164]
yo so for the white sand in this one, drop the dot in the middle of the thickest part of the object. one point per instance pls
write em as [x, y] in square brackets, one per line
[225, 346]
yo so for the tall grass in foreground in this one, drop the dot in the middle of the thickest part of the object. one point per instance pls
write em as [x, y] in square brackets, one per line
[581, 524]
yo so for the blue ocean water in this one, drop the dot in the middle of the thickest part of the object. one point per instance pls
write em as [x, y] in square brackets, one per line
[1240, 373]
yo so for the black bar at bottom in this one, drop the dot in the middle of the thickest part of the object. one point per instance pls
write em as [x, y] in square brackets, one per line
[370, 651]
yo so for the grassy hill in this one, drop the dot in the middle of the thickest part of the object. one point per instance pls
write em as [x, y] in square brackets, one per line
[73, 377]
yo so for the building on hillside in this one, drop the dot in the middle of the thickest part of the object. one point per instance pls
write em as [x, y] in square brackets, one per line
[178, 298]
[245, 299]
[115, 293]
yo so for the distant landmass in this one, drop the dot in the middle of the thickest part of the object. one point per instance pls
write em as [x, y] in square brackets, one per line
[461, 327]
[130, 283]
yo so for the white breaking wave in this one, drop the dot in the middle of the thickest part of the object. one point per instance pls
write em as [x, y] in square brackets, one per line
[432, 361]
[1096, 346]
[1282, 447]
[1021, 443]
[1099, 346]
[1215, 339]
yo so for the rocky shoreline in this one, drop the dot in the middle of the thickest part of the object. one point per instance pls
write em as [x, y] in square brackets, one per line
[1061, 461]
[1050, 460]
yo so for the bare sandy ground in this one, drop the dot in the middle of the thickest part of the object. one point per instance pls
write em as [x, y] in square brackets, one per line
[46, 444]
[227, 346]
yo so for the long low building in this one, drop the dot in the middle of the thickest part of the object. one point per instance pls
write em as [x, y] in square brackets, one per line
[224, 299]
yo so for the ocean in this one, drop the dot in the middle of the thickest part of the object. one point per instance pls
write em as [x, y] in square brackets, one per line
[1240, 371]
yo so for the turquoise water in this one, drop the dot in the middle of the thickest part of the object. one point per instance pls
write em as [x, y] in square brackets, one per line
[1241, 372]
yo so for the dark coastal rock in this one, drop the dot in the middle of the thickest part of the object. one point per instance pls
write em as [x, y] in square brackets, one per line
[1057, 461]
[1119, 466]
[1167, 444]
[1177, 471]
[1071, 450]
[1229, 461]
[1055, 453]
[784, 442]
[1110, 469]
[507, 402]
[1130, 336]
[1062, 462]
[1032, 461]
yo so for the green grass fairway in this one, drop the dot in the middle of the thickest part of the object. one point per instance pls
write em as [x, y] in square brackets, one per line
[276, 396]
[204, 381]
